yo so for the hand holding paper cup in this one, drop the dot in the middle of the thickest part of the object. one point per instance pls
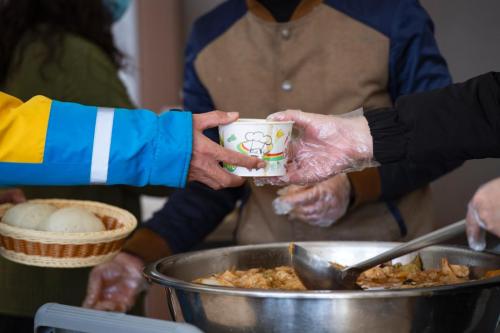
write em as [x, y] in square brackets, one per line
[265, 139]
[206, 154]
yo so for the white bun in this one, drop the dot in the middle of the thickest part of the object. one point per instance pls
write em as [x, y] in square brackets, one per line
[72, 219]
[28, 215]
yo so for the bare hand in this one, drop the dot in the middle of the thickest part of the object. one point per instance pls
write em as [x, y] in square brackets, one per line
[207, 154]
[14, 196]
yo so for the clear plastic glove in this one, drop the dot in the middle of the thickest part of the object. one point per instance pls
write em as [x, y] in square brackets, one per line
[326, 145]
[319, 205]
[207, 154]
[483, 214]
[114, 285]
[14, 196]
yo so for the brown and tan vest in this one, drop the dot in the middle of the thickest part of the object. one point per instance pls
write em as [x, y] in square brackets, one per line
[323, 62]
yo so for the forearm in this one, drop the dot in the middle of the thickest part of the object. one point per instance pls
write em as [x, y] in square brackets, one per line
[456, 123]
[47, 142]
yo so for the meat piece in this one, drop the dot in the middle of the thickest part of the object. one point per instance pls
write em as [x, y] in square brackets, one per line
[386, 276]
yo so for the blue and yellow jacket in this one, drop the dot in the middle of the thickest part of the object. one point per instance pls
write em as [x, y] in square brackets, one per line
[47, 142]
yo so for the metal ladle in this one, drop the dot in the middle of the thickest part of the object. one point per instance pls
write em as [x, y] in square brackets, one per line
[317, 273]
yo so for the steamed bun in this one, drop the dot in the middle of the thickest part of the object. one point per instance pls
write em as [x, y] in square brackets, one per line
[28, 215]
[72, 219]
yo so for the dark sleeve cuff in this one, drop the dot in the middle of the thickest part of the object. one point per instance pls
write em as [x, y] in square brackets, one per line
[147, 245]
[389, 140]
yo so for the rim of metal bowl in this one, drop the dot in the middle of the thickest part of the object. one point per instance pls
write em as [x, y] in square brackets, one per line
[152, 274]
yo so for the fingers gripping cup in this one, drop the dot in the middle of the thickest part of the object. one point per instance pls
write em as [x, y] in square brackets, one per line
[261, 138]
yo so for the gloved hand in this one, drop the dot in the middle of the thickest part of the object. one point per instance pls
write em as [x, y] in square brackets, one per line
[483, 214]
[326, 145]
[319, 205]
[207, 154]
[14, 196]
[114, 285]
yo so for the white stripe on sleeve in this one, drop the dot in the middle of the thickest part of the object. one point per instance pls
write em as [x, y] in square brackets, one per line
[102, 145]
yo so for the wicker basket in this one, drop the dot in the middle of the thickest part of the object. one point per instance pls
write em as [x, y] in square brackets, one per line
[67, 250]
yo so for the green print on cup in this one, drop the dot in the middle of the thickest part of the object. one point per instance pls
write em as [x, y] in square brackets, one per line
[264, 139]
[229, 167]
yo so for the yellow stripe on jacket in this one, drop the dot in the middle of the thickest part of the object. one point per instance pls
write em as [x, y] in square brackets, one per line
[23, 128]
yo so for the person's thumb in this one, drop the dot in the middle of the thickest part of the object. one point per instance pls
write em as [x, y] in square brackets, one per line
[234, 158]
[290, 197]
[296, 116]
[290, 189]
[306, 196]
[281, 207]
[215, 118]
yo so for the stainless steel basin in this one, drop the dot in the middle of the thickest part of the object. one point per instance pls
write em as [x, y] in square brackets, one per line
[468, 307]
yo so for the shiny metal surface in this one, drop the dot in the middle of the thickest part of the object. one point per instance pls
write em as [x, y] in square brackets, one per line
[469, 307]
[318, 274]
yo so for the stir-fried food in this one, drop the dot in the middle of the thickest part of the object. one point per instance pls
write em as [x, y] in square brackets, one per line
[491, 274]
[412, 275]
[282, 277]
[386, 276]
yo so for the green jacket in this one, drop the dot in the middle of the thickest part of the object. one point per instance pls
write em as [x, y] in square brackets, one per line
[80, 72]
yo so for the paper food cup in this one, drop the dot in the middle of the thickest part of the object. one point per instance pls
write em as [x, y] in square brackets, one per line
[262, 138]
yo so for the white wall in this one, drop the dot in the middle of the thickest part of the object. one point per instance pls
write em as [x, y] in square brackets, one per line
[125, 33]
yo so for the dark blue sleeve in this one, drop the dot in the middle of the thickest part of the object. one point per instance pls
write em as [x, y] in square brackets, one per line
[192, 213]
[196, 97]
[416, 65]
